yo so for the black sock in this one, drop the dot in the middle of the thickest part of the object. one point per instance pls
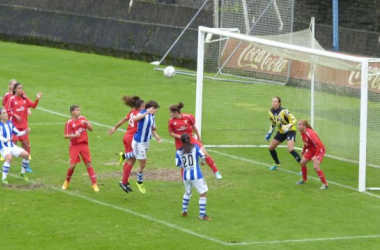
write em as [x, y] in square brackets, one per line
[273, 153]
[295, 155]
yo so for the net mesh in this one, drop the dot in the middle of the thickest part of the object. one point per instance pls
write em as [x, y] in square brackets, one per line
[236, 114]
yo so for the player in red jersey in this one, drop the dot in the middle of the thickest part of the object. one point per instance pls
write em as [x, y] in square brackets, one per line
[17, 108]
[76, 131]
[9, 94]
[313, 150]
[181, 123]
[137, 105]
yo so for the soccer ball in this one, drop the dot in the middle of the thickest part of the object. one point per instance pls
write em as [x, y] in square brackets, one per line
[169, 71]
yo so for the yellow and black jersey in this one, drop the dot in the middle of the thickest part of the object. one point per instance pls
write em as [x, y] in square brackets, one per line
[283, 119]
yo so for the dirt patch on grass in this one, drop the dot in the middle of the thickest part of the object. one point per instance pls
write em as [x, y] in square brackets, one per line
[159, 174]
[23, 186]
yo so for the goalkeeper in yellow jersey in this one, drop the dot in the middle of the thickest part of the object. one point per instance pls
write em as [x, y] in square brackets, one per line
[286, 130]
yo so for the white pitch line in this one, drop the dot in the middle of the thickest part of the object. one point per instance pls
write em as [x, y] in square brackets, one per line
[206, 237]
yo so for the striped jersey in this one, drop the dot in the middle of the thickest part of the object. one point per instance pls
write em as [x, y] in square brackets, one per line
[6, 131]
[145, 127]
[281, 117]
[190, 163]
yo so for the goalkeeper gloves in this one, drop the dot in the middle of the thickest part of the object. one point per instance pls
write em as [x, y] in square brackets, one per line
[286, 128]
[267, 137]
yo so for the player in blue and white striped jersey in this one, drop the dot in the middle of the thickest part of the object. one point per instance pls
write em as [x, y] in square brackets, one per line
[9, 149]
[146, 127]
[188, 157]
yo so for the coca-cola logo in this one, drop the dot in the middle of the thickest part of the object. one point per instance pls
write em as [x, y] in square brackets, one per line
[255, 58]
[373, 78]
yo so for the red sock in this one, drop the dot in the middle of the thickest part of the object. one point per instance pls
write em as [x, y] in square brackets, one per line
[92, 175]
[211, 164]
[304, 173]
[28, 147]
[69, 174]
[126, 172]
[322, 176]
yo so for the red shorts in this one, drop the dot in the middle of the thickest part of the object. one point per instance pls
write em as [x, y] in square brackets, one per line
[79, 149]
[127, 140]
[310, 154]
[20, 138]
[178, 143]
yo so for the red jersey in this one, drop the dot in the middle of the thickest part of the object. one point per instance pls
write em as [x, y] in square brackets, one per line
[6, 98]
[182, 125]
[73, 126]
[312, 142]
[132, 124]
[19, 105]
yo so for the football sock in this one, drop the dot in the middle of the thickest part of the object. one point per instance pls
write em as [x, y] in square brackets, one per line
[295, 155]
[92, 175]
[211, 164]
[69, 174]
[25, 163]
[322, 176]
[273, 153]
[6, 167]
[202, 206]
[140, 177]
[126, 172]
[304, 173]
[185, 202]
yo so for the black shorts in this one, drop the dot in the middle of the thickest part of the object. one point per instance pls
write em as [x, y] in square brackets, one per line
[290, 136]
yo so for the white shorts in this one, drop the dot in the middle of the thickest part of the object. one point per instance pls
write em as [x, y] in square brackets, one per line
[200, 185]
[14, 151]
[140, 149]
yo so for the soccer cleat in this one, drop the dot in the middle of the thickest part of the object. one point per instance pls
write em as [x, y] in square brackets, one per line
[324, 187]
[141, 187]
[24, 176]
[274, 167]
[2, 158]
[218, 176]
[301, 182]
[29, 170]
[204, 217]
[4, 181]
[125, 187]
[121, 158]
[95, 187]
[65, 185]
[30, 157]
[184, 214]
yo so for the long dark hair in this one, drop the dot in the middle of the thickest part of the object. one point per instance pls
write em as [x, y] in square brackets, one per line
[130, 100]
[153, 104]
[187, 145]
[176, 107]
[15, 87]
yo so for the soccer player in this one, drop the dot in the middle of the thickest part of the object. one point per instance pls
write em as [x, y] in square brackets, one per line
[141, 140]
[181, 123]
[313, 150]
[76, 130]
[137, 105]
[9, 94]
[17, 108]
[285, 122]
[187, 157]
[9, 150]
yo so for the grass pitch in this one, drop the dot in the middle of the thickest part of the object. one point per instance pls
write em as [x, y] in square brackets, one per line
[251, 208]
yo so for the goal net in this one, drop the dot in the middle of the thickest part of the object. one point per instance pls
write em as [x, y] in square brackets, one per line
[254, 17]
[339, 94]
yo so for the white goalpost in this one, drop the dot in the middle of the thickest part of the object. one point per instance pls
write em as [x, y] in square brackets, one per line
[254, 17]
[338, 93]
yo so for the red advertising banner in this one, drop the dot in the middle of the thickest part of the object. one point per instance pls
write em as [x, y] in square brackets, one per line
[249, 57]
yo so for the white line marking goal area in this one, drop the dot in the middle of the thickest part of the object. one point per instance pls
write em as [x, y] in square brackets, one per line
[184, 230]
